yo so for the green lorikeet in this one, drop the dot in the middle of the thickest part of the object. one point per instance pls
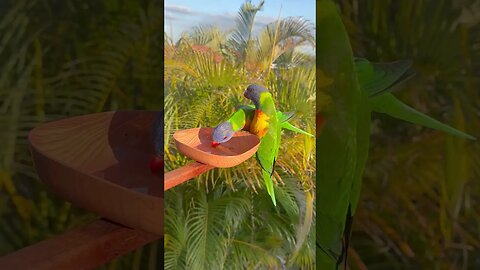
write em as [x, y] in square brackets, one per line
[243, 119]
[266, 126]
[239, 120]
[376, 80]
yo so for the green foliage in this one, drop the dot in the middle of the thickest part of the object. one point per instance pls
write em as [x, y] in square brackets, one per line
[64, 58]
[224, 219]
[242, 35]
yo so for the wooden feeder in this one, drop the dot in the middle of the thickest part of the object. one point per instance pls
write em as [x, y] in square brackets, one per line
[196, 144]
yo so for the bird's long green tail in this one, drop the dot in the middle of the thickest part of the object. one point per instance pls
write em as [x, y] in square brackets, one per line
[287, 125]
[267, 178]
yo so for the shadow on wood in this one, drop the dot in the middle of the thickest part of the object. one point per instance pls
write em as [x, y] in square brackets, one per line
[100, 162]
[86, 247]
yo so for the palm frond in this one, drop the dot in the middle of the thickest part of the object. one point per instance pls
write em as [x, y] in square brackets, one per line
[241, 37]
[210, 36]
[282, 36]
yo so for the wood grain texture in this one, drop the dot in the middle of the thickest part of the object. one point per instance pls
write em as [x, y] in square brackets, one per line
[100, 162]
[195, 143]
[86, 247]
[182, 174]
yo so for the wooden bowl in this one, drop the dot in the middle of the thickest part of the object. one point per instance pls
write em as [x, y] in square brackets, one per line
[100, 162]
[195, 143]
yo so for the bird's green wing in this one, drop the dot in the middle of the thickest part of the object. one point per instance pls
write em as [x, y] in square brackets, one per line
[287, 125]
[389, 104]
[378, 78]
[268, 150]
[337, 160]
[374, 79]
[284, 117]
[240, 117]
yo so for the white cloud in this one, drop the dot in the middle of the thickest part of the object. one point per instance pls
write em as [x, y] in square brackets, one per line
[178, 9]
[263, 20]
[228, 20]
[169, 16]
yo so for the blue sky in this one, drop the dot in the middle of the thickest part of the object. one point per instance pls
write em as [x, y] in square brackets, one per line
[183, 15]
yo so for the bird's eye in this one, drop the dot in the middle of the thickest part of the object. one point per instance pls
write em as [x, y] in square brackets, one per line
[224, 137]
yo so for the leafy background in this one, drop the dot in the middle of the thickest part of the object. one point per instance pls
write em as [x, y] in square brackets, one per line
[419, 202]
[60, 59]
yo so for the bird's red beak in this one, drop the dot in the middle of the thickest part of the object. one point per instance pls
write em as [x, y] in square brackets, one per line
[215, 144]
[156, 164]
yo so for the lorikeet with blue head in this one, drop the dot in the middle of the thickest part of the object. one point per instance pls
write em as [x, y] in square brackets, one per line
[266, 126]
[241, 120]
[263, 120]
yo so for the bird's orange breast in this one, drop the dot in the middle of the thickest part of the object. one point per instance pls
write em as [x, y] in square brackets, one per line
[259, 124]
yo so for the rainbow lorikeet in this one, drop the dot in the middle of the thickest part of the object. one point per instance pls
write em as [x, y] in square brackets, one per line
[241, 120]
[266, 126]
[376, 81]
[249, 118]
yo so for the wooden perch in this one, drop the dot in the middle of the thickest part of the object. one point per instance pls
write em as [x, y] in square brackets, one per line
[86, 247]
[182, 174]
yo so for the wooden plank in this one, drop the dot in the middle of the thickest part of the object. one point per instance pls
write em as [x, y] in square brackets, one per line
[86, 247]
[100, 162]
[182, 174]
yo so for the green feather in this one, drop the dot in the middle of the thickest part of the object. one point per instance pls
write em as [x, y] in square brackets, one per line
[268, 150]
[287, 125]
[379, 78]
[390, 105]
[248, 111]
[338, 142]
[284, 117]
[238, 119]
